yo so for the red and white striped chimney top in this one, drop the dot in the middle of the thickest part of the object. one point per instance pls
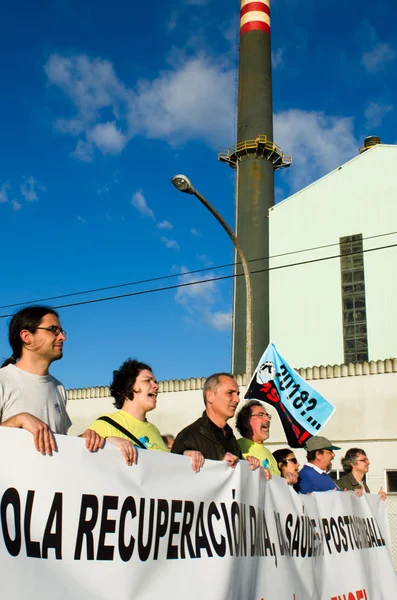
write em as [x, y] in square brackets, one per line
[254, 15]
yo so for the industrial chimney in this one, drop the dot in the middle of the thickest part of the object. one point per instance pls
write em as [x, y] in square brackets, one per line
[255, 158]
[370, 142]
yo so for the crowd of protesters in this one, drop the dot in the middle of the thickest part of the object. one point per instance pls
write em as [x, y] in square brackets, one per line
[32, 399]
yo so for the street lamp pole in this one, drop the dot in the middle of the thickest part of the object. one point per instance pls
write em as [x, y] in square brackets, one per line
[183, 184]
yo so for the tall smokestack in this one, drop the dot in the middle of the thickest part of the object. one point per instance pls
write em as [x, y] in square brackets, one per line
[255, 157]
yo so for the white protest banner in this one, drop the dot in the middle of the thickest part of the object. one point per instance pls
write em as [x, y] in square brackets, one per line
[83, 526]
[302, 410]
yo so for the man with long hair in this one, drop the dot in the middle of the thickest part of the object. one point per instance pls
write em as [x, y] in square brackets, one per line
[31, 398]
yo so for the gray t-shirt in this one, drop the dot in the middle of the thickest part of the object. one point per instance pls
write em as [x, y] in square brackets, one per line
[40, 395]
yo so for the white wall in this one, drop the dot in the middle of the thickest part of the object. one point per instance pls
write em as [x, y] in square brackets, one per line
[305, 301]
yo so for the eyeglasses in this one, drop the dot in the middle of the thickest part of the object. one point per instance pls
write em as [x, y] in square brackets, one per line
[262, 415]
[362, 460]
[293, 460]
[54, 329]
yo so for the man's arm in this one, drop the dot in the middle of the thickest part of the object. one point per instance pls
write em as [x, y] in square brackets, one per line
[183, 443]
[310, 481]
[43, 438]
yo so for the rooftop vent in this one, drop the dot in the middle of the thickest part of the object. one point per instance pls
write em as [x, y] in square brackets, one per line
[369, 142]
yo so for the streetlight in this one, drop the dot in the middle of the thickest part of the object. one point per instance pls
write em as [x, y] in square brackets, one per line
[183, 184]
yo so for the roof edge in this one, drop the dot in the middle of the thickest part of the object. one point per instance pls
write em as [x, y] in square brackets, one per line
[378, 367]
[330, 173]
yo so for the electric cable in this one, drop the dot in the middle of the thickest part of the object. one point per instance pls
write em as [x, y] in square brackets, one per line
[194, 272]
[220, 278]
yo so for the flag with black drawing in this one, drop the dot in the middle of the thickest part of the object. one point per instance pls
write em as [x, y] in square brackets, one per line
[302, 410]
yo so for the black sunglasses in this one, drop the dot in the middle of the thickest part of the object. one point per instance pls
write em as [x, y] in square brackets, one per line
[294, 460]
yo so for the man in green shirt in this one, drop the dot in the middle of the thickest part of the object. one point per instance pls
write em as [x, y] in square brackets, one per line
[253, 422]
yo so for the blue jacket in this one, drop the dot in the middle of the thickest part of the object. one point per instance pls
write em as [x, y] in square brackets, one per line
[310, 481]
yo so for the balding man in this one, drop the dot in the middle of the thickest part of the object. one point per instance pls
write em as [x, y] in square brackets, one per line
[210, 434]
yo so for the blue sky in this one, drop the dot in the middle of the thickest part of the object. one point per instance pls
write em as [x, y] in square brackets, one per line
[103, 102]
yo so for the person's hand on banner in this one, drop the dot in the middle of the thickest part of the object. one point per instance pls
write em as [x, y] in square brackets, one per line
[382, 494]
[127, 449]
[291, 478]
[253, 462]
[197, 459]
[93, 441]
[43, 438]
[231, 459]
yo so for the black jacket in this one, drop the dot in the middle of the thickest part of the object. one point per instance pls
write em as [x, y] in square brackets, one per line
[203, 435]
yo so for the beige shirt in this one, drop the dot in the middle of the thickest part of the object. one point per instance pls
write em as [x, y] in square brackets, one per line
[40, 395]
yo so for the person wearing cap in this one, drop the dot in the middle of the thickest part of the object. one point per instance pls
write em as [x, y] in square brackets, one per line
[313, 477]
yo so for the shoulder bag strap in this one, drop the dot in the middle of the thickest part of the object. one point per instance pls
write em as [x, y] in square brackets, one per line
[123, 430]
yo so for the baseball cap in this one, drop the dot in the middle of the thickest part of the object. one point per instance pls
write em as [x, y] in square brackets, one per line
[317, 442]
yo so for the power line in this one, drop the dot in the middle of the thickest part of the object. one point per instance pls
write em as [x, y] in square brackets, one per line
[194, 272]
[181, 285]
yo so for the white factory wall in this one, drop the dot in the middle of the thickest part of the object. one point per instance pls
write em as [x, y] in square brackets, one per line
[305, 301]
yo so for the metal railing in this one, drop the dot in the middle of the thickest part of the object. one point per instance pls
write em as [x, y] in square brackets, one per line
[391, 504]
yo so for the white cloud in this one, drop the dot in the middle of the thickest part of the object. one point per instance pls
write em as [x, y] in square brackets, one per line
[81, 219]
[318, 143]
[221, 320]
[165, 225]
[170, 243]
[4, 192]
[104, 189]
[194, 100]
[173, 20]
[28, 189]
[84, 151]
[108, 138]
[201, 293]
[16, 205]
[139, 202]
[204, 258]
[375, 113]
[92, 86]
[279, 194]
[199, 299]
[278, 58]
[195, 232]
[72, 126]
[90, 83]
[377, 59]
